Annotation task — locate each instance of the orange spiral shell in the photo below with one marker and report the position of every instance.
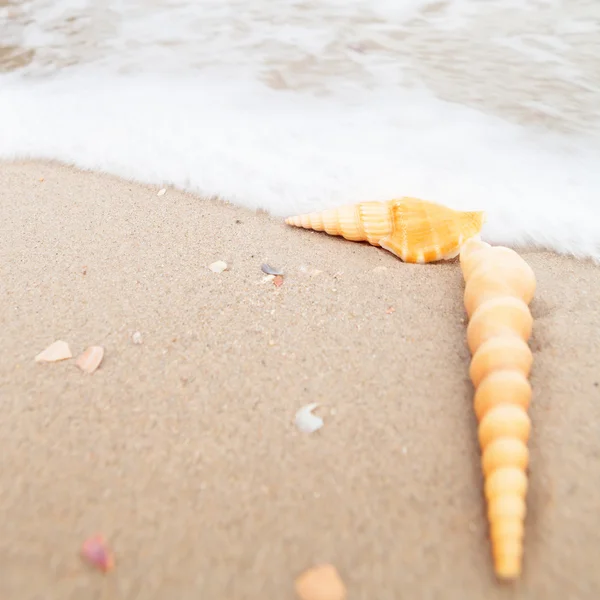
(416, 231)
(499, 285)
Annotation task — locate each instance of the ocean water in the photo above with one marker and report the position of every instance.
(297, 105)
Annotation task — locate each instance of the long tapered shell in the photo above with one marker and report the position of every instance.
(499, 285)
(416, 231)
(502, 314)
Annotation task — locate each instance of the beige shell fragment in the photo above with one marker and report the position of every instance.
(321, 582)
(218, 266)
(56, 351)
(90, 360)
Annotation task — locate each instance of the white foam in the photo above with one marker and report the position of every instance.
(219, 131)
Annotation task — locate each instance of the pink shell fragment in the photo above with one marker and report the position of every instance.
(90, 360)
(96, 552)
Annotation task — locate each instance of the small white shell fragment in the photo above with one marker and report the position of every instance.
(136, 338)
(161, 192)
(218, 266)
(90, 360)
(56, 351)
(306, 421)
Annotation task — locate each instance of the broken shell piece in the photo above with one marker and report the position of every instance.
(322, 582)
(96, 552)
(265, 268)
(306, 421)
(90, 360)
(161, 192)
(218, 267)
(56, 351)
(136, 338)
(278, 281)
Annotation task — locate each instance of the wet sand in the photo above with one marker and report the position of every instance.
(182, 450)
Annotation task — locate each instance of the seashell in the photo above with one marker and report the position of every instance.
(56, 351)
(414, 230)
(499, 285)
(502, 314)
(90, 360)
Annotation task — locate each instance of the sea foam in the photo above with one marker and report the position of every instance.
(326, 139)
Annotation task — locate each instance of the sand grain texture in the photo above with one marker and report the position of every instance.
(182, 451)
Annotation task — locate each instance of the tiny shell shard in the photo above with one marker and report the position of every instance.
(306, 421)
(269, 270)
(321, 582)
(90, 360)
(414, 230)
(218, 266)
(95, 550)
(59, 350)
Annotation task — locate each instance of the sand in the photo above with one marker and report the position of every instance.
(182, 450)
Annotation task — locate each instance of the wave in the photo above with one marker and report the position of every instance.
(221, 131)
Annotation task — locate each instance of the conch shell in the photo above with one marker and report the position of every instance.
(414, 230)
(499, 285)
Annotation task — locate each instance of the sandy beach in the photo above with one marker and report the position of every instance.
(182, 451)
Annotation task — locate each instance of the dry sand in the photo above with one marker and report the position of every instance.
(182, 450)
